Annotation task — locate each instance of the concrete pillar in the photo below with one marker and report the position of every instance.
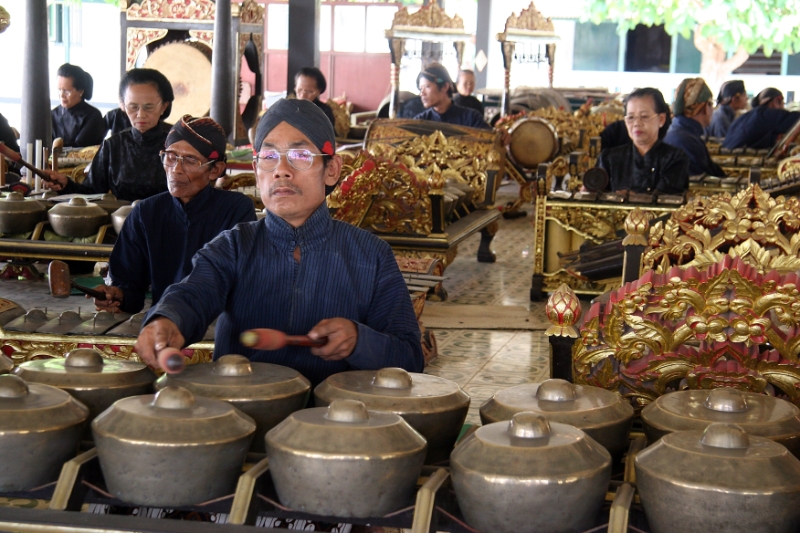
(222, 70)
(303, 38)
(36, 122)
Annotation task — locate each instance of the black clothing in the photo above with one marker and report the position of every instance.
(128, 164)
(116, 121)
(327, 110)
(162, 234)
(664, 168)
(7, 134)
(81, 125)
(760, 127)
(455, 114)
(721, 121)
(468, 101)
(411, 108)
(615, 134)
(686, 133)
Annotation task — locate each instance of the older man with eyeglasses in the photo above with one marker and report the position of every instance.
(163, 232)
(297, 270)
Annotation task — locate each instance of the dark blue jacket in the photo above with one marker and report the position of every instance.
(162, 234)
(249, 274)
(760, 127)
(686, 133)
(721, 121)
(455, 114)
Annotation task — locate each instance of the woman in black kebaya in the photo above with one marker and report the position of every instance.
(75, 121)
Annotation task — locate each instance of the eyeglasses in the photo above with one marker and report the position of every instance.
(66, 92)
(630, 119)
(268, 160)
(146, 108)
(190, 164)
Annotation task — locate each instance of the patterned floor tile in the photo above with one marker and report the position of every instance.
(503, 380)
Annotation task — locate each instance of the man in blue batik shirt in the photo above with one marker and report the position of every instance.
(436, 91)
(297, 270)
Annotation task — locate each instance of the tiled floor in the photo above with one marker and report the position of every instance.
(481, 362)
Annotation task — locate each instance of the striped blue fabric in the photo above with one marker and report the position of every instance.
(250, 276)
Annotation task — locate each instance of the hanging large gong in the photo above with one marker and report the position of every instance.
(188, 69)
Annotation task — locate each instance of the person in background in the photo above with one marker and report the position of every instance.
(693, 109)
(128, 164)
(613, 135)
(436, 91)
(9, 138)
(116, 121)
(732, 97)
(465, 87)
(297, 270)
(309, 83)
(75, 121)
(163, 232)
(647, 164)
(761, 126)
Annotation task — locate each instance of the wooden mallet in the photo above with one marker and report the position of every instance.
(11, 155)
(272, 339)
(171, 360)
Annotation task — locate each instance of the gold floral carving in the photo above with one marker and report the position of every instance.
(206, 37)
(789, 169)
(729, 326)
(457, 159)
(194, 10)
(5, 19)
(761, 230)
(598, 224)
(358, 185)
(563, 310)
(444, 258)
(553, 280)
(251, 13)
(430, 16)
(138, 38)
(636, 225)
(529, 19)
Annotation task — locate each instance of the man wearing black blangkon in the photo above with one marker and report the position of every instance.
(297, 270)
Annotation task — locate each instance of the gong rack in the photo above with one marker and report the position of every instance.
(525, 30)
(434, 509)
(431, 25)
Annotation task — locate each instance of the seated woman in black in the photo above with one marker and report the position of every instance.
(128, 163)
(75, 121)
(646, 164)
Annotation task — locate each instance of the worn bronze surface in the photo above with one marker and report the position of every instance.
(40, 428)
(530, 475)
(30, 321)
(110, 203)
(171, 448)
(344, 461)
(434, 406)
(268, 393)
(63, 323)
(91, 378)
(76, 218)
(118, 216)
(18, 215)
(602, 414)
(758, 414)
(719, 480)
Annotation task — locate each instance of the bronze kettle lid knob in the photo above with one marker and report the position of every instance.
(84, 357)
(726, 400)
(15, 197)
(233, 365)
(13, 387)
(529, 425)
(174, 398)
(81, 202)
(556, 390)
(729, 436)
(392, 378)
(347, 411)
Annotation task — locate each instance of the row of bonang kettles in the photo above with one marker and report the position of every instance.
(719, 460)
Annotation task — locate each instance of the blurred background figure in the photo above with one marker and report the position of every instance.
(75, 121)
(732, 98)
(761, 126)
(465, 87)
(309, 83)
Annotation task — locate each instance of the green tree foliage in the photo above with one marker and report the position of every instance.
(731, 24)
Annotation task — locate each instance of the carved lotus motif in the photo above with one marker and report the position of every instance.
(563, 311)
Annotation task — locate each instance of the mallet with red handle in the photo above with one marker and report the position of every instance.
(272, 339)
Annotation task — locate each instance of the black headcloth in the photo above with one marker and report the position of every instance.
(303, 115)
(203, 133)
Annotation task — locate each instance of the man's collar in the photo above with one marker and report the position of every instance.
(197, 204)
(313, 231)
